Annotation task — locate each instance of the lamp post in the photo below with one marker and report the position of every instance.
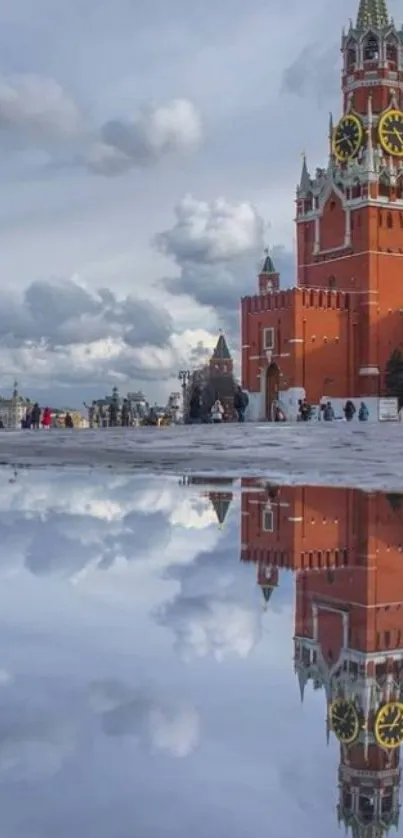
(184, 378)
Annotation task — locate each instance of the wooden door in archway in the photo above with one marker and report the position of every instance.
(272, 390)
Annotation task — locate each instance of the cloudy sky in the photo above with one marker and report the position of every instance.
(148, 153)
(140, 678)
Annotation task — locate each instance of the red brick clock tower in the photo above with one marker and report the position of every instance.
(332, 335)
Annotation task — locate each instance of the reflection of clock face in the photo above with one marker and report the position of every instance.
(390, 132)
(389, 725)
(347, 137)
(344, 720)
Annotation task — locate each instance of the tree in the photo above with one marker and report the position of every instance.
(394, 376)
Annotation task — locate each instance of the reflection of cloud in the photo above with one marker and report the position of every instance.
(211, 625)
(33, 744)
(146, 717)
(98, 525)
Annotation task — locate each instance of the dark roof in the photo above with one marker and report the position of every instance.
(221, 351)
(221, 504)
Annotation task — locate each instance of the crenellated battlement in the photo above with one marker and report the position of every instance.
(318, 298)
(308, 298)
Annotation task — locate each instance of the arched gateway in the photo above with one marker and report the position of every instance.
(272, 390)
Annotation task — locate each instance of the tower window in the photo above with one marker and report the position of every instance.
(332, 281)
(268, 520)
(371, 48)
(268, 338)
(391, 53)
(351, 58)
(389, 220)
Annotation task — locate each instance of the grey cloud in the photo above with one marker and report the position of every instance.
(142, 714)
(315, 71)
(36, 112)
(37, 108)
(155, 132)
(61, 313)
(82, 540)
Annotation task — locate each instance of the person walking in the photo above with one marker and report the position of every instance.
(241, 401)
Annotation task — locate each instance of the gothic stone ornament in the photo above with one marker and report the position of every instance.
(348, 137)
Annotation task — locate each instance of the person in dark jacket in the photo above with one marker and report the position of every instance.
(328, 412)
(241, 401)
(36, 416)
(125, 417)
(195, 405)
(349, 410)
(305, 411)
(68, 421)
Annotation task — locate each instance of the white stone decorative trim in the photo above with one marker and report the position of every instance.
(369, 371)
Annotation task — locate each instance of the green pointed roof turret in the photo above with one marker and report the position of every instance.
(268, 264)
(221, 352)
(221, 505)
(372, 13)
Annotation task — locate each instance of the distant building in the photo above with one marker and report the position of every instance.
(13, 410)
(215, 380)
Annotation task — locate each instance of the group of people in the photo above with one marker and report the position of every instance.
(116, 415)
(36, 418)
(199, 412)
(327, 413)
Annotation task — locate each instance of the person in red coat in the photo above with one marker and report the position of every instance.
(46, 418)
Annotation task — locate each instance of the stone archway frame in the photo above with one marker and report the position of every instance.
(271, 389)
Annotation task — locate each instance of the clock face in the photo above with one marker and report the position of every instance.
(389, 725)
(347, 137)
(390, 132)
(344, 721)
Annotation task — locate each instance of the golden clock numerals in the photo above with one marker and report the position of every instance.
(390, 132)
(389, 725)
(347, 137)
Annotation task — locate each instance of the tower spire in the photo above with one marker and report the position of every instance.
(372, 13)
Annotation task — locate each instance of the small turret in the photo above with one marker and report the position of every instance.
(269, 279)
(221, 361)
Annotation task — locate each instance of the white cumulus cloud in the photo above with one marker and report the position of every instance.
(213, 232)
(208, 624)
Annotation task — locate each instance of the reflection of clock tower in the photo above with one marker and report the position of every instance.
(345, 313)
(346, 547)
